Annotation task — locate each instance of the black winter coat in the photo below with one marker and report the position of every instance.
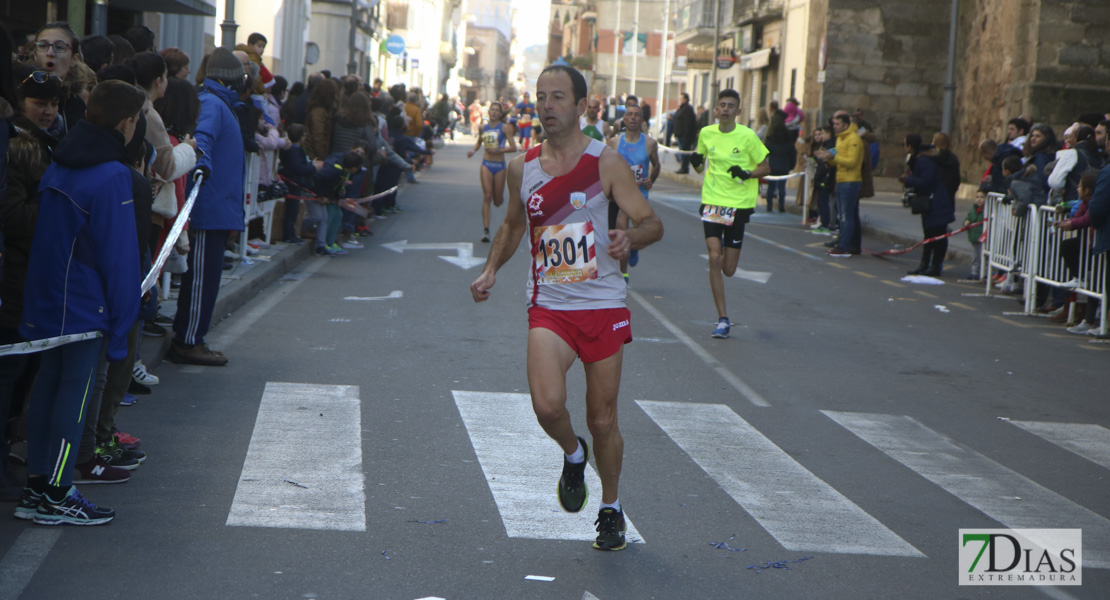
(29, 154)
(927, 178)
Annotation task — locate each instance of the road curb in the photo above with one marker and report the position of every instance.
(957, 255)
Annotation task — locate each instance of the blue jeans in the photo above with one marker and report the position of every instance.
(823, 209)
(781, 187)
(847, 206)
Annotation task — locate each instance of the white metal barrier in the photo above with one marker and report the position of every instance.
(1030, 246)
(1004, 248)
(1046, 263)
(250, 204)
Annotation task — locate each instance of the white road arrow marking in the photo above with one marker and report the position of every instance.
(756, 276)
(392, 295)
(464, 252)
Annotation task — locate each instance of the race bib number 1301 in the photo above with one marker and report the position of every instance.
(564, 253)
(718, 214)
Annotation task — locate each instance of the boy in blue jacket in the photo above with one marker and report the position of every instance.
(87, 279)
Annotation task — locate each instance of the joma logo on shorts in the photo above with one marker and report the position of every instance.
(623, 323)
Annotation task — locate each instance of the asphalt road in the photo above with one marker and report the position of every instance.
(852, 418)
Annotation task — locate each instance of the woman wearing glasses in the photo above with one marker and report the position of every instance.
(57, 50)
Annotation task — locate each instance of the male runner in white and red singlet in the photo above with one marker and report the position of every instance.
(560, 192)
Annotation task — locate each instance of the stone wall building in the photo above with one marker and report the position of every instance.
(1048, 59)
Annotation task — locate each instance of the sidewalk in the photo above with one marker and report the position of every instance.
(886, 223)
(237, 287)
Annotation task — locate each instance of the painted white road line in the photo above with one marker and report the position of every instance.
(222, 337)
(522, 467)
(1092, 442)
(464, 252)
(392, 295)
(24, 557)
(1002, 494)
(303, 468)
(795, 506)
(756, 276)
(732, 379)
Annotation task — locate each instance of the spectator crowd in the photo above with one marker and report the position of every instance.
(106, 139)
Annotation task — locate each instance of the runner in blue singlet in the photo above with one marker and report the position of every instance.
(641, 152)
(497, 137)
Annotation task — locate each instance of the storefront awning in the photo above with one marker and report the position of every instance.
(755, 60)
(178, 7)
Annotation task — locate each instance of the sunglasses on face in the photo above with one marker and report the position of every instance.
(40, 77)
(59, 46)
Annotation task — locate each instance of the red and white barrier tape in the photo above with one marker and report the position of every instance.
(893, 251)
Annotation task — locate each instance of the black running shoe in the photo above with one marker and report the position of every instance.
(572, 484)
(28, 504)
(153, 329)
(610, 530)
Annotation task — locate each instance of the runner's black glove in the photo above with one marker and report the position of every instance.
(697, 160)
(739, 173)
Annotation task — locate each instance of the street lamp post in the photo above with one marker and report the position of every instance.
(950, 82)
(229, 25)
(716, 42)
(352, 63)
(635, 45)
(100, 17)
(616, 52)
(661, 108)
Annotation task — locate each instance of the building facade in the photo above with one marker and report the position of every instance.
(487, 59)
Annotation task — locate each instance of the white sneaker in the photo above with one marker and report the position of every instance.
(140, 375)
(259, 243)
(351, 244)
(1082, 328)
(251, 251)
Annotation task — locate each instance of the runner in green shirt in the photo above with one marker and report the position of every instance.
(733, 159)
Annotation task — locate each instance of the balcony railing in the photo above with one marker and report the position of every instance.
(755, 11)
(696, 21)
(476, 75)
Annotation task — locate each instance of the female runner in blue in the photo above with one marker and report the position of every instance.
(498, 137)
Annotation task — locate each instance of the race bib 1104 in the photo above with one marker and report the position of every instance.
(564, 253)
(718, 214)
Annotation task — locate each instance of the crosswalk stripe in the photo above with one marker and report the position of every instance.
(1090, 441)
(522, 467)
(800, 510)
(303, 468)
(994, 489)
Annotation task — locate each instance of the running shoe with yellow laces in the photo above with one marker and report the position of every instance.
(610, 530)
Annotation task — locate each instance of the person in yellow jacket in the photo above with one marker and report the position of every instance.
(736, 160)
(848, 160)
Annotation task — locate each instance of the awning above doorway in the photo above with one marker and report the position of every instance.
(177, 7)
